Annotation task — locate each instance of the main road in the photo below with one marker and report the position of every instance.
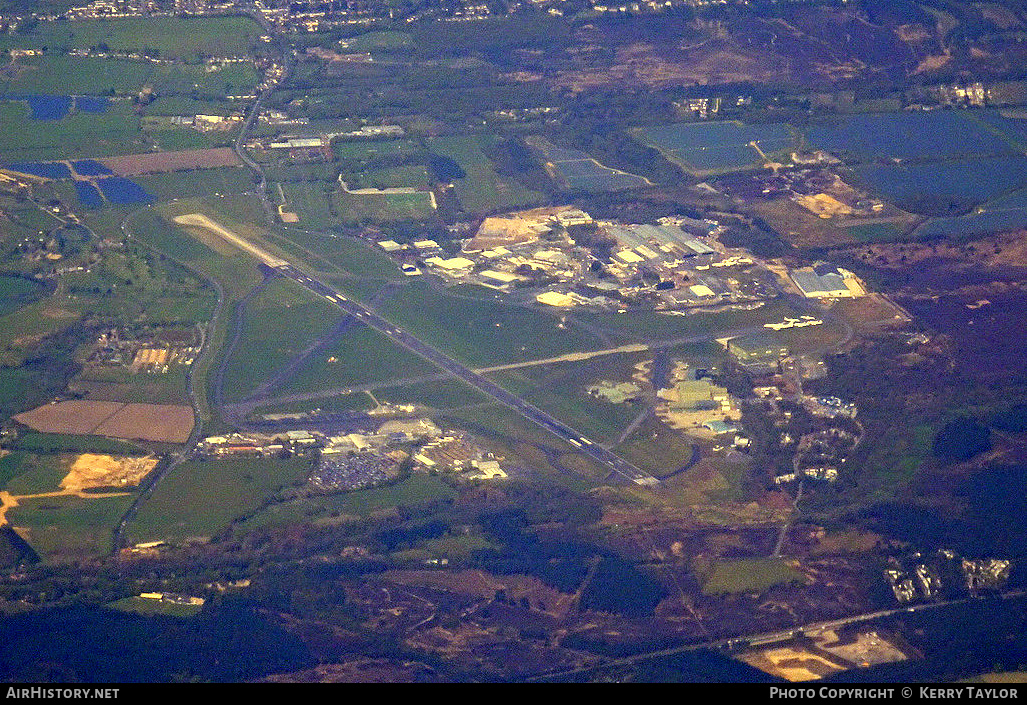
(371, 319)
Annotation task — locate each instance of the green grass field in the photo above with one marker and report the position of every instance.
(69, 528)
(201, 498)
(417, 489)
(560, 390)
(56, 74)
(78, 135)
(656, 448)
(361, 355)
(354, 209)
(35, 442)
(347, 254)
(169, 37)
(145, 606)
(482, 189)
(38, 473)
(196, 183)
(754, 575)
(448, 394)
(278, 324)
(339, 403)
(481, 332)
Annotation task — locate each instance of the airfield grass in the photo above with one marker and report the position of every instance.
(69, 528)
(234, 271)
(445, 394)
(752, 575)
(353, 256)
(559, 389)
(278, 323)
(646, 325)
(337, 403)
(656, 448)
(479, 332)
(359, 356)
(201, 498)
(516, 438)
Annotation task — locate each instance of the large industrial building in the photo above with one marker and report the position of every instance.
(758, 347)
(825, 281)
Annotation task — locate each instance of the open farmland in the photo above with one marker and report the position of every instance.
(77, 135)
(356, 208)
(167, 37)
(158, 162)
(481, 189)
(149, 422)
(74, 75)
(68, 527)
(200, 498)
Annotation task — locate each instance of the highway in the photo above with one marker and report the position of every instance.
(767, 638)
(369, 318)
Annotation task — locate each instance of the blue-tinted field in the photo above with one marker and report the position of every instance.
(580, 172)
(90, 167)
(88, 195)
(91, 104)
(46, 170)
(917, 135)
(717, 146)
(122, 191)
(48, 107)
(976, 180)
(975, 225)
